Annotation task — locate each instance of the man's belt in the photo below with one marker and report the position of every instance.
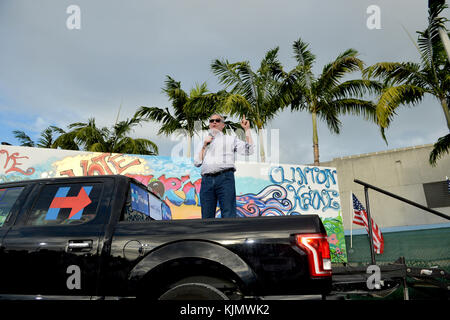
(218, 172)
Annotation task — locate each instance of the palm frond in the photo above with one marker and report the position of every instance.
(440, 148)
(355, 88)
(394, 96)
(204, 105)
(226, 72)
(198, 90)
(302, 54)
(396, 72)
(145, 146)
(429, 38)
(177, 96)
(46, 139)
(235, 104)
(271, 67)
(136, 146)
(23, 138)
(123, 127)
(169, 127)
(329, 115)
(97, 147)
(66, 141)
(155, 114)
(383, 134)
(57, 129)
(293, 89)
(249, 87)
(345, 63)
(356, 107)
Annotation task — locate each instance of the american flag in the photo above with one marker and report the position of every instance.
(360, 218)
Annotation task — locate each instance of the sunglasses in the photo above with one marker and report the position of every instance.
(215, 120)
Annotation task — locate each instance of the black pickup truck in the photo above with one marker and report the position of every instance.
(109, 237)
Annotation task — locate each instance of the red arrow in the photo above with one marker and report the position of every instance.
(75, 203)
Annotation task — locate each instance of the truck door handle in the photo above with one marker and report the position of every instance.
(74, 245)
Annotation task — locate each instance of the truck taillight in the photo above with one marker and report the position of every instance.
(318, 250)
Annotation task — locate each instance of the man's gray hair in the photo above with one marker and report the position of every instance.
(219, 115)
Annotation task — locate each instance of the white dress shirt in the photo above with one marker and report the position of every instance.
(220, 154)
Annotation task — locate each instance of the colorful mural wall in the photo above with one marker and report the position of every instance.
(261, 189)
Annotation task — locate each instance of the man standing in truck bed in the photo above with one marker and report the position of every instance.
(217, 159)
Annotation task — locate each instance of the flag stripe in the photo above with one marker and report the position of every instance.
(360, 218)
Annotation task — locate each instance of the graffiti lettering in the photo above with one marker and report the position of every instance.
(281, 178)
(172, 183)
(11, 160)
(92, 169)
(100, 165)
(315, 174)
(316, 199)
(120, 168)
(101, 159)
(189, 189)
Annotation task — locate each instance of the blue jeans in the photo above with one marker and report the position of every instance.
(220, 188)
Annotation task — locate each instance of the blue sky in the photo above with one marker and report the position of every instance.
(51, 75)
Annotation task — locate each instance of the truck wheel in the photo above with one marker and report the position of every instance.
(193, 291)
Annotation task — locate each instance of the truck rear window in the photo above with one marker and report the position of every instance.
(65, 204)
(8, 196)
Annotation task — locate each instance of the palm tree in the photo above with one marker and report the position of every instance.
(89, 137)
(46, 139)
(406, 83)
(326, 96)
(189, 110)
(257, 95)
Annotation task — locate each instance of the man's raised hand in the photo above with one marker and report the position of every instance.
(245, 124)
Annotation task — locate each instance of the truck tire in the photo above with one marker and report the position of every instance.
(193, 291)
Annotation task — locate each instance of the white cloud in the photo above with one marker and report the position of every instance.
(39, 124)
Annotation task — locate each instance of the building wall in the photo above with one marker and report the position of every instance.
(400, 171)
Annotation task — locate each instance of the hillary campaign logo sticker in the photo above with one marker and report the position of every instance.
(76, 204)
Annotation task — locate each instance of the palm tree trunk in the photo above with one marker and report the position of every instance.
(315, 139)
(446, 111)
(189, 145)
(262, 153)
(445, 41)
